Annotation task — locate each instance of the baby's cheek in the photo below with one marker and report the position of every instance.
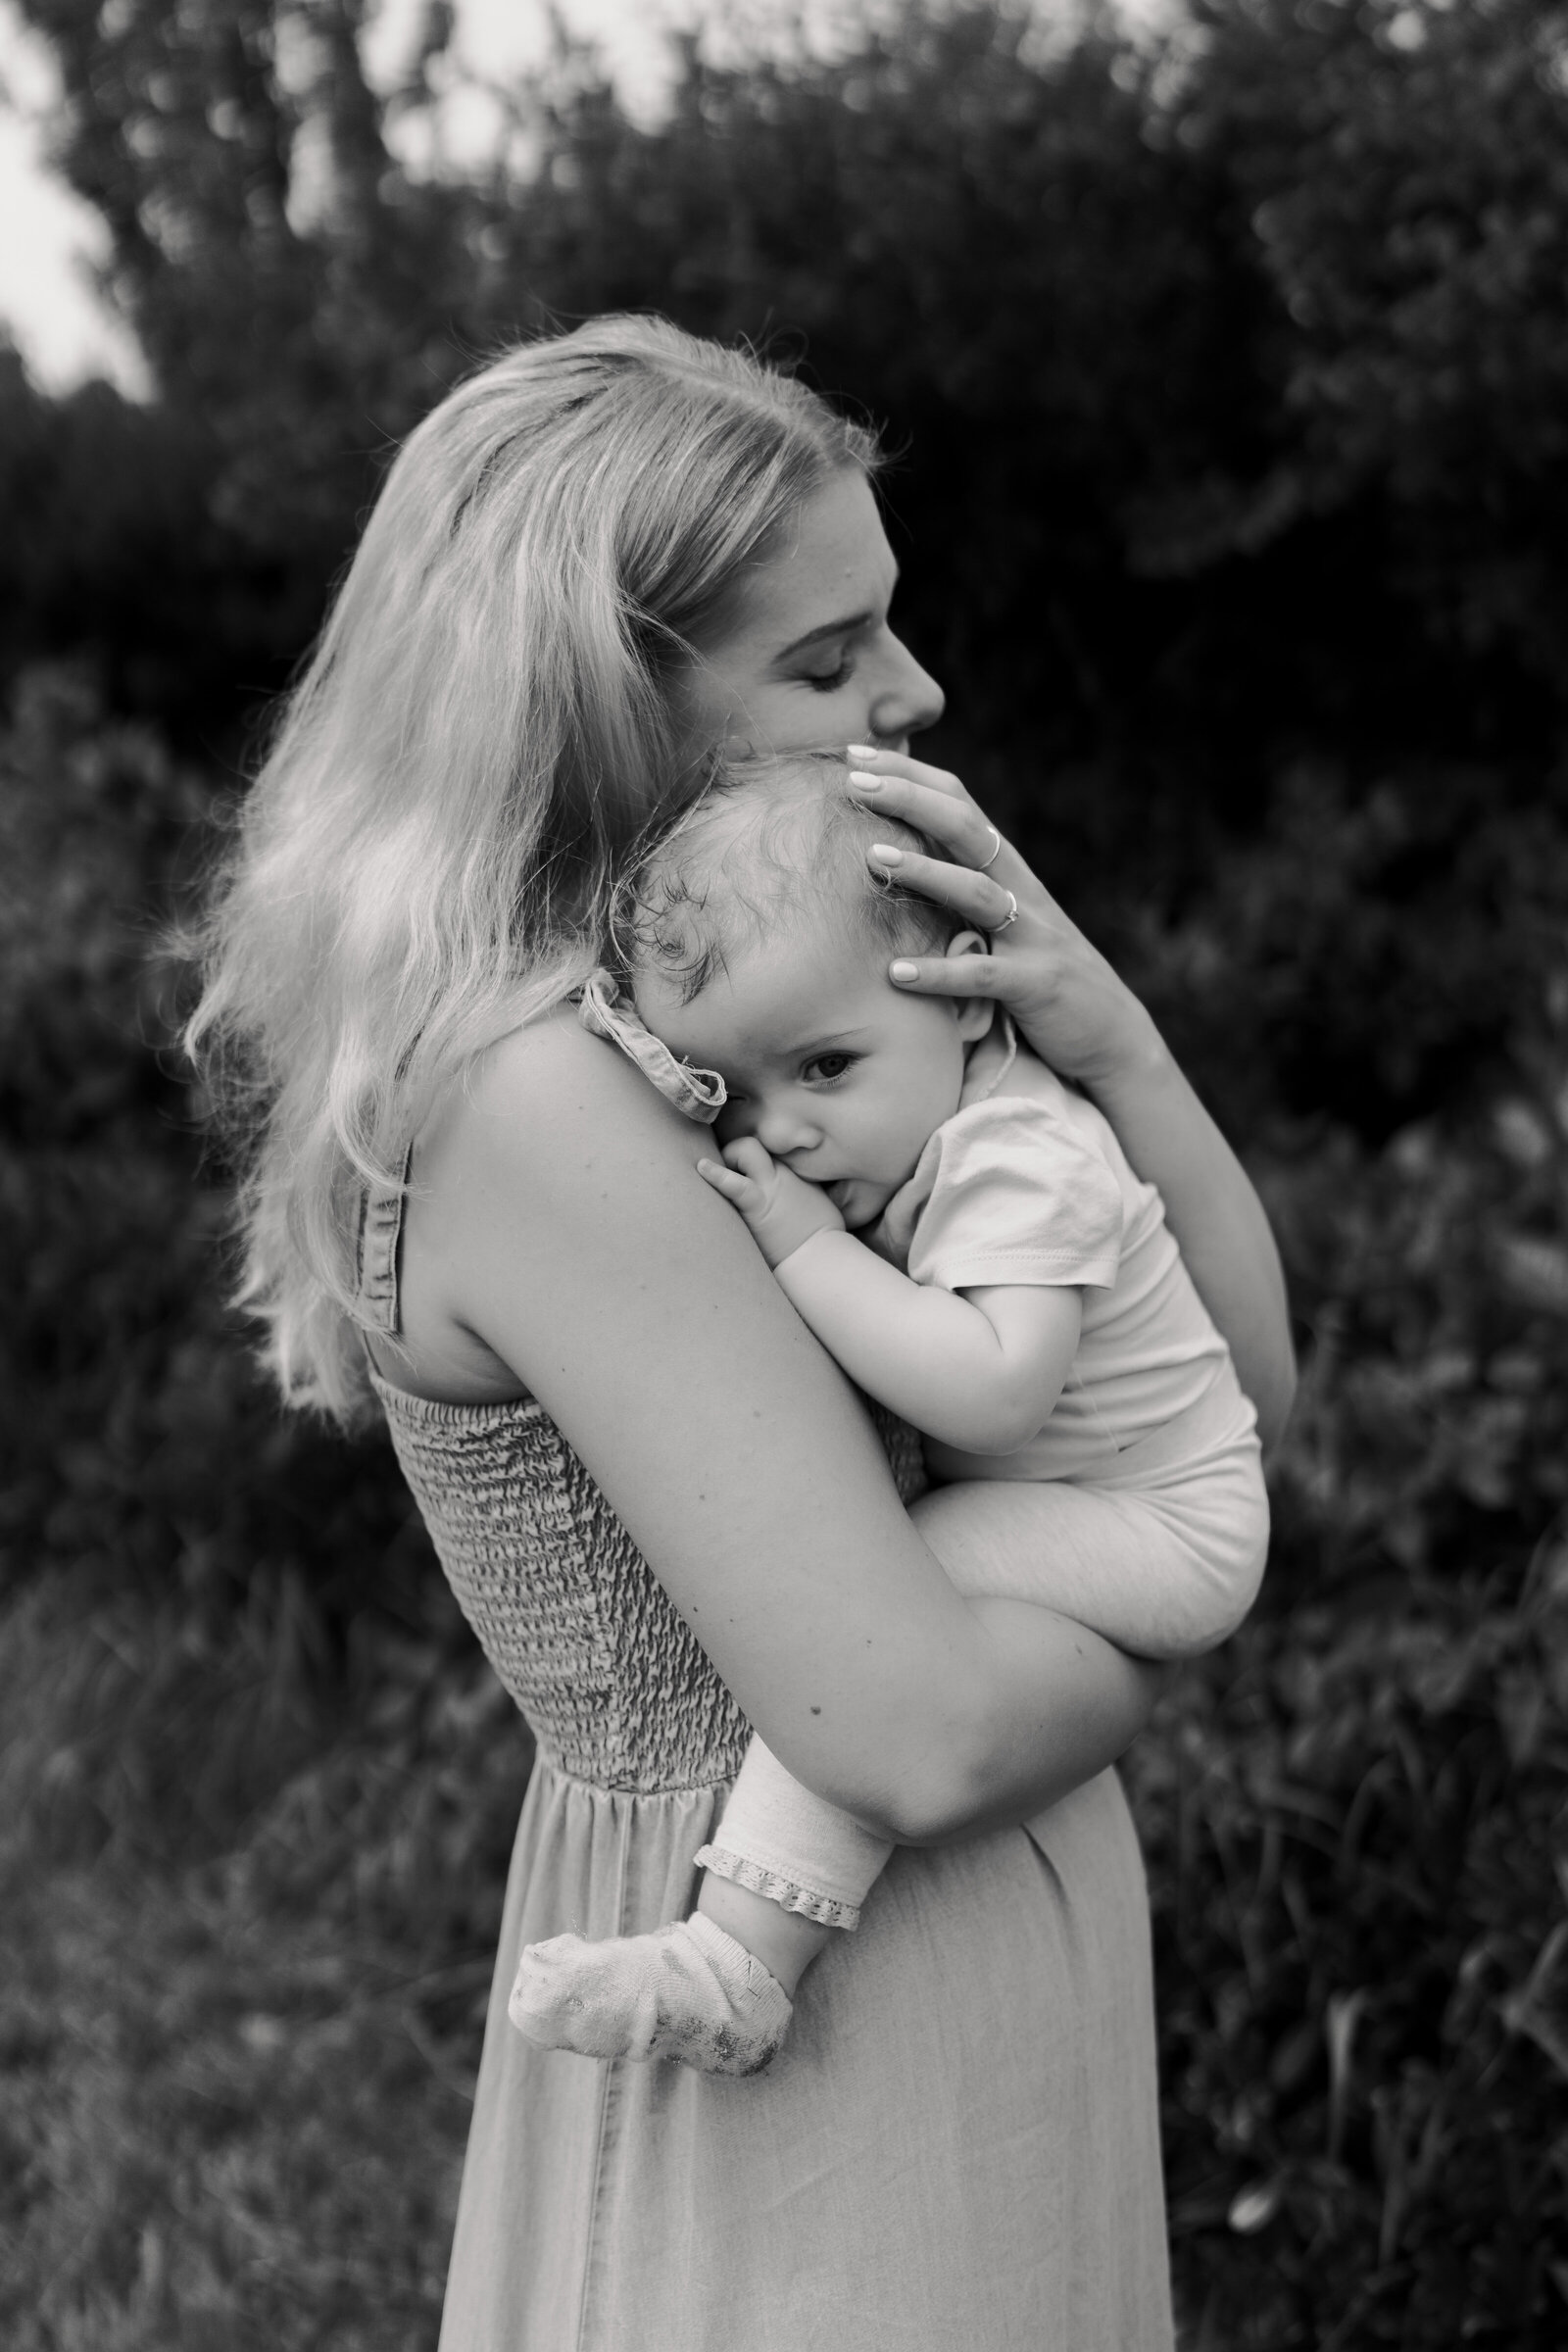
(901, 1147)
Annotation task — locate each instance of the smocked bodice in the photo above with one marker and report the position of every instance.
(568, 1612)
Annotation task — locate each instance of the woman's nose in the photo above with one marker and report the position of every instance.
(906, 697)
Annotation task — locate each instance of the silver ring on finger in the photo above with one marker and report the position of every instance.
(1010, 917)
(986, 863)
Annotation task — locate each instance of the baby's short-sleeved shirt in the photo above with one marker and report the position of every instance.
(1026, 1184)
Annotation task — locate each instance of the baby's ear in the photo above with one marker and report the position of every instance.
(973, 1014)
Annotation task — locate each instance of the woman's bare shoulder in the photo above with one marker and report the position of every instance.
(543, 1095)
(547, 1147)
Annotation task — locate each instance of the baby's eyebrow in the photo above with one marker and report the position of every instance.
(833, 1037)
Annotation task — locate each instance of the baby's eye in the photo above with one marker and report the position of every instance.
(824, 1066)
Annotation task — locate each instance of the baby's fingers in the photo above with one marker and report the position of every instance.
(749, 1158)
(736, 1189)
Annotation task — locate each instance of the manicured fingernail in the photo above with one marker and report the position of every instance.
(885, 854)
(861, 750)
(903, 971)
(863, 782)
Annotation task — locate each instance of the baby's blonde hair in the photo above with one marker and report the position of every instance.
(773, 846)
(484, 734)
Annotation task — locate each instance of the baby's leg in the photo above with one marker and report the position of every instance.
(786, 1868)
(1163, 1573)
(688, 1992)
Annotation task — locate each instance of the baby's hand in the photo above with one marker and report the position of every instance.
(781, 1208)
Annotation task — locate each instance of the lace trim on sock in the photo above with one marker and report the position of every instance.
(784, 1892)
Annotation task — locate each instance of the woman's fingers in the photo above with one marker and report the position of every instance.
(934, 803)
(894, 766)
(947, 976)
(981, 898)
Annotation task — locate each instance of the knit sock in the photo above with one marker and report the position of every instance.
(688, 1992)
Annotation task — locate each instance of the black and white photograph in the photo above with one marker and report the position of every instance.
(784, 1164)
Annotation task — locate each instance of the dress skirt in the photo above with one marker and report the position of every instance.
(956, 2149)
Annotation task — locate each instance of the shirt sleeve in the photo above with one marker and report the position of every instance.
(1019, 1197)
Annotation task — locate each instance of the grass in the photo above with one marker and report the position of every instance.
(197, 2130)
(238, 2032)
(1357, 1842)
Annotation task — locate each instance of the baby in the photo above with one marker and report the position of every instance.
(961, 1228)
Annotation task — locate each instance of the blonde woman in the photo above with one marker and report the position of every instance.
(663, 1508)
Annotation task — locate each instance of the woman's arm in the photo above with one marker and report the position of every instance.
(1083, 1019)
(1217, 1216)
(561, 1234)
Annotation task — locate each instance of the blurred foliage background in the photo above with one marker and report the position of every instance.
(1229, 371)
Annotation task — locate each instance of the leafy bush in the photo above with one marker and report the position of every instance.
(1233, 372)
(139, 1446)
(1354, 1815)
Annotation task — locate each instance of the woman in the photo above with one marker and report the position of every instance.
(655, 1496)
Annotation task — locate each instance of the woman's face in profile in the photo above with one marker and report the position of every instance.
(808, 662)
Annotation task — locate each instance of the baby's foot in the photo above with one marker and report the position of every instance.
(688, 1992)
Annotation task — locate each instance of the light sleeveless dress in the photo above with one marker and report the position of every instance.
(956, 2149)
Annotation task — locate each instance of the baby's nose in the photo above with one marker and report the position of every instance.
(782, 1130)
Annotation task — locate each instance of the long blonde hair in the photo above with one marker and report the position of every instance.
(483, 735)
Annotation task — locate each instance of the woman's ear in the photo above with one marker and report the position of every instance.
(973, 1014)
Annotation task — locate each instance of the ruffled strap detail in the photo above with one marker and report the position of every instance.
(607, 1011)
(789, 1896)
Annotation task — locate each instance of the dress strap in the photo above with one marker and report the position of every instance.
(607, 1011)
(604, 1012)
(380, 1242)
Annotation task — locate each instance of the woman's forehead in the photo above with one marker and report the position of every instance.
(831, 568)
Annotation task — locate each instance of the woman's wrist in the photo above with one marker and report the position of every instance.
(1128, 1061)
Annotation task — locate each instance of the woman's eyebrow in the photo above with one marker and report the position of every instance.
(827, 628)
(834, 628)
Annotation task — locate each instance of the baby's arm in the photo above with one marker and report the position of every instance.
(980, 1369)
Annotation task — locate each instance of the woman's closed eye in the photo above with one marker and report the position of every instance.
(829, 681)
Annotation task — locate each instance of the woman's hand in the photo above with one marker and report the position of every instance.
(1087, 1023)
(1074, 1010)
